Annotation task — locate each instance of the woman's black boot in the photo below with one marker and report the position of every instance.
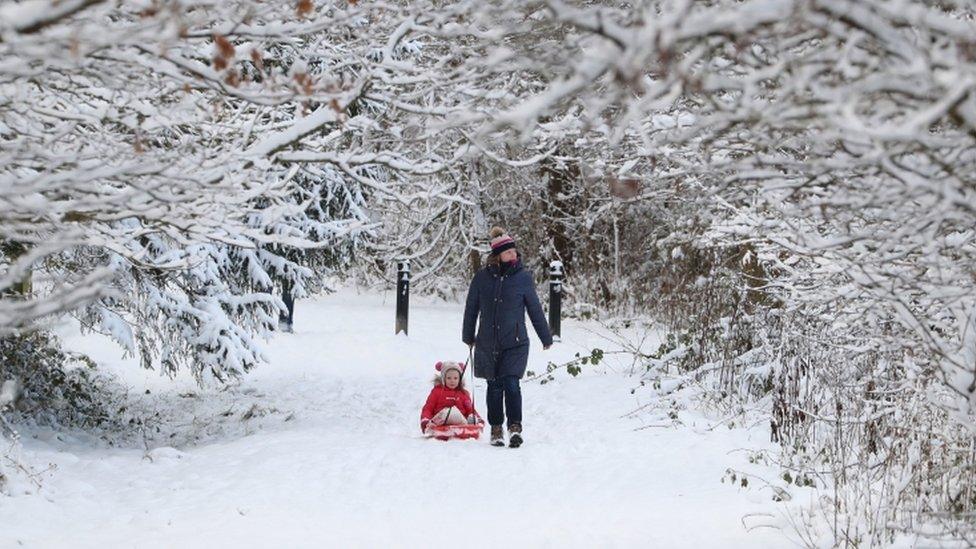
(515, 435)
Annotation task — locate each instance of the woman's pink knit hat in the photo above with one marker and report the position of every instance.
(500, 241)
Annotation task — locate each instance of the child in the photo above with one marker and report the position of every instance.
(448, 402)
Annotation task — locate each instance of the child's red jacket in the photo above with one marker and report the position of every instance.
(441, 397)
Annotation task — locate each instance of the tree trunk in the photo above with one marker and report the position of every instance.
(13, 251)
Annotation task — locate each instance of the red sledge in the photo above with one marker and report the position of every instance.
(447, 432)
(456, 415)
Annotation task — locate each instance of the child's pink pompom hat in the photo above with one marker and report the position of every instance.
(444, 367)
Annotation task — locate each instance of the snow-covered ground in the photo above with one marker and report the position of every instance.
(322, 449)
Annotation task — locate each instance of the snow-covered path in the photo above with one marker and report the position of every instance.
(337, 461)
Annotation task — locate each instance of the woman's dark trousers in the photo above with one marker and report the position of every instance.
(504, 389)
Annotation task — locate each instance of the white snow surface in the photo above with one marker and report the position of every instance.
(331, 455)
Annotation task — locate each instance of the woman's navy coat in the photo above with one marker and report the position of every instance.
(502, 295)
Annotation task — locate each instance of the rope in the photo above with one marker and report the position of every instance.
(470, 366)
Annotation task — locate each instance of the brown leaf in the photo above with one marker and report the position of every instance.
(305, 8)
(334, 105)
(232, 79)
(304, 82)
(224, 47)
(623, 188)
(220, 63)
(257, 60)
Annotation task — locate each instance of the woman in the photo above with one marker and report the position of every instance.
(501, 293)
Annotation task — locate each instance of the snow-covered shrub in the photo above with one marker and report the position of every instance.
(55, 387)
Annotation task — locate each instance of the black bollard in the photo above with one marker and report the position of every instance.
(403, 296)
(555, 297)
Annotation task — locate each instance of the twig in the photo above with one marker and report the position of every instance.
(665, 426)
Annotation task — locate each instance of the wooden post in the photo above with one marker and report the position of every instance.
(555, 297)
(403, 296)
